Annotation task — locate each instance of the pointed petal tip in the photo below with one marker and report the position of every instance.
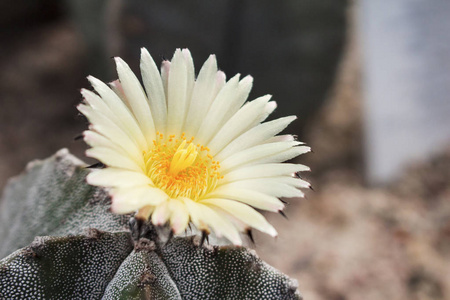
(115, 84)
(145, 54)
(95, 82)
(165, 64)
(272, 232)
(247, 80)
(220, 76)
(89, 176)
(85, 92)
(87, 136)
(87, 153)
(306, 169)
(271, 106)
(278, 208)
(177, 229)
(120, 63)
(158, 222)
(268, 97)
(178, 52)
(122, 67)
(186, 52)
(82, 109)
(119, 208)
(237, 242)
(154, 219)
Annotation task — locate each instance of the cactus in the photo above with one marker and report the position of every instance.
(71, 247)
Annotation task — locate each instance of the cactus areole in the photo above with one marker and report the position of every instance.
(184, 149)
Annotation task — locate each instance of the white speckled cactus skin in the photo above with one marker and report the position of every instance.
(71, 247)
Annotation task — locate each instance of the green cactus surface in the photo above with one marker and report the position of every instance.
(65, 244)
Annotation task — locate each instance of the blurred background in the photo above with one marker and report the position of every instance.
(369, 82)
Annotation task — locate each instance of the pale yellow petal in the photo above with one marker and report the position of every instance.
(242, 121)
(113, 158)
(255, 154)
(109, 129)
(205, 216)
(244, 213)
(255, 136)
(114, 177)
(165, 70)
(190, 74)
(283, 155)
(95, 139)
(250, 197)
(177, 102)
(127, 200)
(281, 138)
(243, 90)
(136, 98)
(268, 186)
(154, 88)
(179, 218)
(120, 110)
(214, 118)
(263, 170)
(202, 95)
(161, 214)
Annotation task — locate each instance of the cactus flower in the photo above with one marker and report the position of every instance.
(186, 149)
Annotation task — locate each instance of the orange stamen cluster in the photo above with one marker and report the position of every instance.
(181, 168)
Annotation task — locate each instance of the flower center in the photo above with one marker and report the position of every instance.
(180, 168)
(183, 158)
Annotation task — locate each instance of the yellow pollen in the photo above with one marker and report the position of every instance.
(181, 168)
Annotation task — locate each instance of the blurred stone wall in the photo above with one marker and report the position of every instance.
(406, 64)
